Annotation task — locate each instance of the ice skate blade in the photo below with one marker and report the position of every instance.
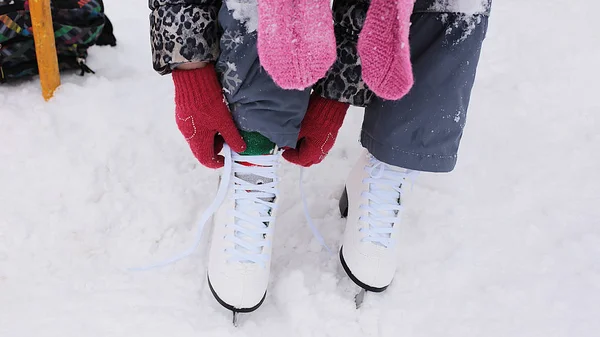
(360, 298)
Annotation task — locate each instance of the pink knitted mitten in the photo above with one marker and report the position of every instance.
(384, 50)
(296, 42)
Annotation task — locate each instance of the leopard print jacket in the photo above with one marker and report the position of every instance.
(183, 31)
(187, 31)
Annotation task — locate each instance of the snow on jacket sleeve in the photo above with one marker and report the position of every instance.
(454, 6)
(183, 31)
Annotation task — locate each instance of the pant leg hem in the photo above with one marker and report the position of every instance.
(406, 159)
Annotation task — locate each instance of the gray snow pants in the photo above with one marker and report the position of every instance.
(421, 131)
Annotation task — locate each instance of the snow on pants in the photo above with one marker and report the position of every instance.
(421, 131)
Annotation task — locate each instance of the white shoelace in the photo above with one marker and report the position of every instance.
(255, 203)
(253, 210)
(384, 206)
(242, 231)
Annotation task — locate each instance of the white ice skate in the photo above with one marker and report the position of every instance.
(240, 254)
(371, 203)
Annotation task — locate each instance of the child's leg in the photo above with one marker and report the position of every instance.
(256, 102)
(244, 224)
(419, 132)
(422, 131)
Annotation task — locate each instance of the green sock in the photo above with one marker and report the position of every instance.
(256, 144)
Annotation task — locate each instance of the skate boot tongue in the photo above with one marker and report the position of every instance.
(254, 179)
(257, 145)
(254, 174)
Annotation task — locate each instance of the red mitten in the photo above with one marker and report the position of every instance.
(318, 132)
(203, 116)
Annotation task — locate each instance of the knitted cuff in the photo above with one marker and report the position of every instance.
(326, 112)
(197, 87)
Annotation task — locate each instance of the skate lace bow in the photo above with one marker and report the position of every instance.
(384, 207)
(255, 202)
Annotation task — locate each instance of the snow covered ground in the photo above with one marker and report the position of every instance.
(99, 180)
